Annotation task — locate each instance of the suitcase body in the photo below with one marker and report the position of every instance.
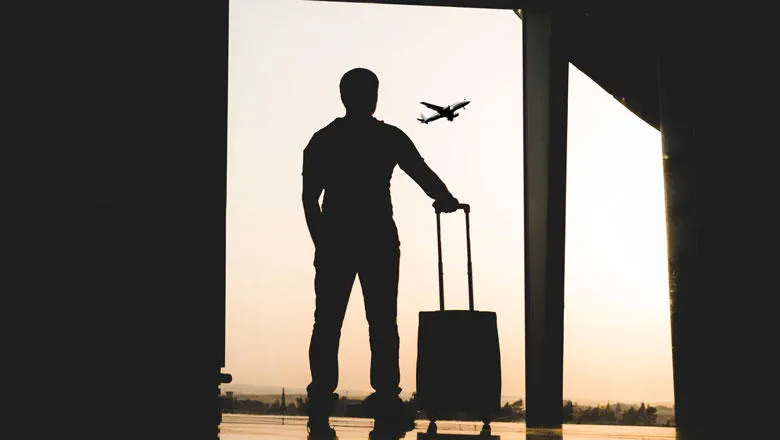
(458, 357)
(458, 364)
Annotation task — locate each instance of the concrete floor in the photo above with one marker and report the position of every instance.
(257, 427)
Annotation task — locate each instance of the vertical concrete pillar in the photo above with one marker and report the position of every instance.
(719, 133)
(709, 272)
(545, 99)
(681, 179)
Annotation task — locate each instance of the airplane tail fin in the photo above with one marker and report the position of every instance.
(421, 118)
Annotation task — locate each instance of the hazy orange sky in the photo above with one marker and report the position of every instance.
(286, 59)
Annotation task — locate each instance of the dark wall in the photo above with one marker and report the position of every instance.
(146, 253)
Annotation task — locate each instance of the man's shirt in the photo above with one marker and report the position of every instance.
(353, 160)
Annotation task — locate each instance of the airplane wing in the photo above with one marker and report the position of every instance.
(433, 107)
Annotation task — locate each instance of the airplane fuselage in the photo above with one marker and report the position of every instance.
(448, 112)
(458, 105)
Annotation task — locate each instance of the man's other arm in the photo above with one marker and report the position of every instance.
(412, 163)
(313, 186)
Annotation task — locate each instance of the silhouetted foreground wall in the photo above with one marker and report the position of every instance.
(153, 85)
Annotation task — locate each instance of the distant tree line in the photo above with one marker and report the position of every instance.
(643, 415)
(344, 406)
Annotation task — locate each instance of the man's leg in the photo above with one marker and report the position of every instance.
(378, 273)
(332, 285)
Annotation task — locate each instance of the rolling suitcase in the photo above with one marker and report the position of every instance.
(458, 357)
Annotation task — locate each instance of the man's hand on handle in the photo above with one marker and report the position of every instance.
(446, 205)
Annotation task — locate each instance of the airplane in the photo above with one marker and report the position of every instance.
(442, 112)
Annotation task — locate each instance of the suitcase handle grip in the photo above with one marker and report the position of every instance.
(466, 210)
(464, 206)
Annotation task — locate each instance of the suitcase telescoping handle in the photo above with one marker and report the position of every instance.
(466, 209)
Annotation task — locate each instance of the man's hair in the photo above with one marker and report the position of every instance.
(359, 89)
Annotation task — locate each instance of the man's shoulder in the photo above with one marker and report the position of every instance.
(392, 131)
(329, 128)
(389, 127)
(322, 134)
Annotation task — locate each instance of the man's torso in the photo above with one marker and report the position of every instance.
(355, 160)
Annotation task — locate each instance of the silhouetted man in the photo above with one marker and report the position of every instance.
(352, 160)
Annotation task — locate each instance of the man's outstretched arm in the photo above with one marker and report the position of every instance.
(414, 165)
(312, 188)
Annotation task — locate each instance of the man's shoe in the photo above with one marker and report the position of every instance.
(398, 422)
(392, 417)
(375, 434)
(395, 425)
(320, 431)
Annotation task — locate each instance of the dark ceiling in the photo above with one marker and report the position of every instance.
(617, 50)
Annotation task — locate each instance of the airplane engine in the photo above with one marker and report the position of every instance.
(454, 116)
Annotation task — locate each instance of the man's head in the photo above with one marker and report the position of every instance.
(359, 91)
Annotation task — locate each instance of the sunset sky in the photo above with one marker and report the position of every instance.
(286, 60)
